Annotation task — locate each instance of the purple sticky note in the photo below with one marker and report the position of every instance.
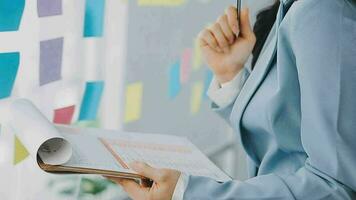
(50, 60)
(47, 8)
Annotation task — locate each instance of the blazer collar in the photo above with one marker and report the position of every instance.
(287, 2)
(252, 83)
(264, 63)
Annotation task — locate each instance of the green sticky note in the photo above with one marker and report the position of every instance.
(88, 124)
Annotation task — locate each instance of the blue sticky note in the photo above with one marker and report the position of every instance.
(94, 18)
(11, 14)
(9, 64)
(207, 81)
(91, 100)
(174, 80)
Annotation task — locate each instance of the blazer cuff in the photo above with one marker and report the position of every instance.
(181, 186)
(223, 95)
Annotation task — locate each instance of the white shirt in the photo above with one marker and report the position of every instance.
(222, 95)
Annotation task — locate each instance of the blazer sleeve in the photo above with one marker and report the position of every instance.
(320, 42)
(224, 96)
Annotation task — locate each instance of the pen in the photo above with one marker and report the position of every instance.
(238, 7)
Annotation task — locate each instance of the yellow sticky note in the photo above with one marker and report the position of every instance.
(133, 102)
(161, 2)
(20, 152)
(196, 98)
(197, 57)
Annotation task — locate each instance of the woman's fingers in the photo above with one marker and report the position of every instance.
(207, 38)
(133, 189)
(225, 27)
(146, 171)
(246, 28)
(219, 35)
(223, 33)
(231, 13)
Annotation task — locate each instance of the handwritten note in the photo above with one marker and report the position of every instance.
(174, 80)
(91, 100)
(161, 2)
(133, 102)
(20, 152)
(196, 98)
(11, 14)
(51, 60)
(185, 65)
(47, 8)
(64, 115)
(9, 64)
(94, 18)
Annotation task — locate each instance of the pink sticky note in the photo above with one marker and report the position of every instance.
(185, 65)
(63, 115)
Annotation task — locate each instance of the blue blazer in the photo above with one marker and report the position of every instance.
(311, 63)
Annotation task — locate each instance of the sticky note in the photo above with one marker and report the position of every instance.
(197, 56)
(161, 2)
(64, 115)
(94, 18)
(174, 80)
(133, 102)
(20, 152)
(91, 100)
(9, 64)
(46, 8)
(185, 68)
(196, 98)
(51, 53)
(88, 124)
(208, 77)
(10, 14)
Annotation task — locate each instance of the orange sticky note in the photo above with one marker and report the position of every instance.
(20, 152)
(133, 102)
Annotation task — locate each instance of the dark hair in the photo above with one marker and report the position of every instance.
(264, 23)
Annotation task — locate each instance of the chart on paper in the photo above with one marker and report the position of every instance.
(182, 156)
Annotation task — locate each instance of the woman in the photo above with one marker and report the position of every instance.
(294, 113)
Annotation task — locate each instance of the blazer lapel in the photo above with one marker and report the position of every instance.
(258, 74)
(251, 85)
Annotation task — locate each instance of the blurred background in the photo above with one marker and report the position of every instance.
(128, 65)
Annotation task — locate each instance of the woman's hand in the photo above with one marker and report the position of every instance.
(227, 44)
(164, 183)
